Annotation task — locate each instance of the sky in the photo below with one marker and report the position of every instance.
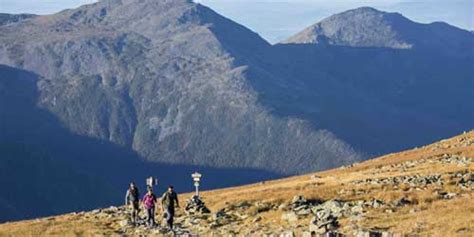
(276, 20)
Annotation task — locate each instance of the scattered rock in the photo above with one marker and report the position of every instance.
(375, 203)
(374, 233)
(289, 216)
(243, 205)
(306, 234)
(412, 180)
(111, 210)
(288, 234)
(283, 206)
(257, 219)
(446, 195)
(195, 206)
(263, 207)
(323, 222)
(125, 223)
(402, 202)
(315, 177)
(300, 206)
(96, 211)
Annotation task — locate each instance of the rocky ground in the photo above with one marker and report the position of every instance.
(424, 191)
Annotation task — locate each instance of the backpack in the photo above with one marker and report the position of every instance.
(168, 199)
(165, 200)
(149, 201)
(133, 195)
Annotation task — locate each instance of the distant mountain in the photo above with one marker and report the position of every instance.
(368, 27)
(380, 81)
(163, 82)
(122, 89)
(168, 79)
(12, 18)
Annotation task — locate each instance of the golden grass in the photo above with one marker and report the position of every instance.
(429, 216)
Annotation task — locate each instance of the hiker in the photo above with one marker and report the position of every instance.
(132, 199)
(149, 201)
(168, 202)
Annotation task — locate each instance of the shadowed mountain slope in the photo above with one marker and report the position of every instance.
(379, 81)
(410, 193)
(379, 100)
(167, 78)
(120, 90)
(124, 89)
(43, 164)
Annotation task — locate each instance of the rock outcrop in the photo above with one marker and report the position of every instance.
(195, 206)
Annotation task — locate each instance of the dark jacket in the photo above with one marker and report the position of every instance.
(132, 196)
(169, 200)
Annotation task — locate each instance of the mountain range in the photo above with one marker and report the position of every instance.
(94, 97)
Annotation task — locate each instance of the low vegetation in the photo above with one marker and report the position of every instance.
(426, 191)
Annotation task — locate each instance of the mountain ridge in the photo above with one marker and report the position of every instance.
(165, 86)
(100, 58)
(6, 18)
(369, 27)
(414, 192)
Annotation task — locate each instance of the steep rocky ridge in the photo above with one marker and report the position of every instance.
(166, 78)
(102, 89)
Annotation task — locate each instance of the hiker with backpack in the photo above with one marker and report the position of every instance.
(132, 199)
(168, 202)
(149, 201)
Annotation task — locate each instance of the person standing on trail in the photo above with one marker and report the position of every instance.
(149, 201)
(168, 202)
(132, 199)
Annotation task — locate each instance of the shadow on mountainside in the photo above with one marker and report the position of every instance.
(46, 169)
(379, 100)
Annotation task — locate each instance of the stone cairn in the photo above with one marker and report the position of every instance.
(323, 222)
(195, 206)
(300, 206)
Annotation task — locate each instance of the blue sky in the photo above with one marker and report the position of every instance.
(277, 19)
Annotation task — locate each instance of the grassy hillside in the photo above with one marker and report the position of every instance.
(426, 191)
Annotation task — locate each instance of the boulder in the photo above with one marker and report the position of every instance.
(402, 202)
(124, 223)
(300, 206)
(263, 207)
(375, 233)
(288, 234)
(306, 234)
(323, 222)
(195, 206)
(289, 216)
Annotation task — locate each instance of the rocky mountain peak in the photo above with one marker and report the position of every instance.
(122, 13)
(171, 87)
(167, 78)
(369, 27)
(365, 26)
(364, 10)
